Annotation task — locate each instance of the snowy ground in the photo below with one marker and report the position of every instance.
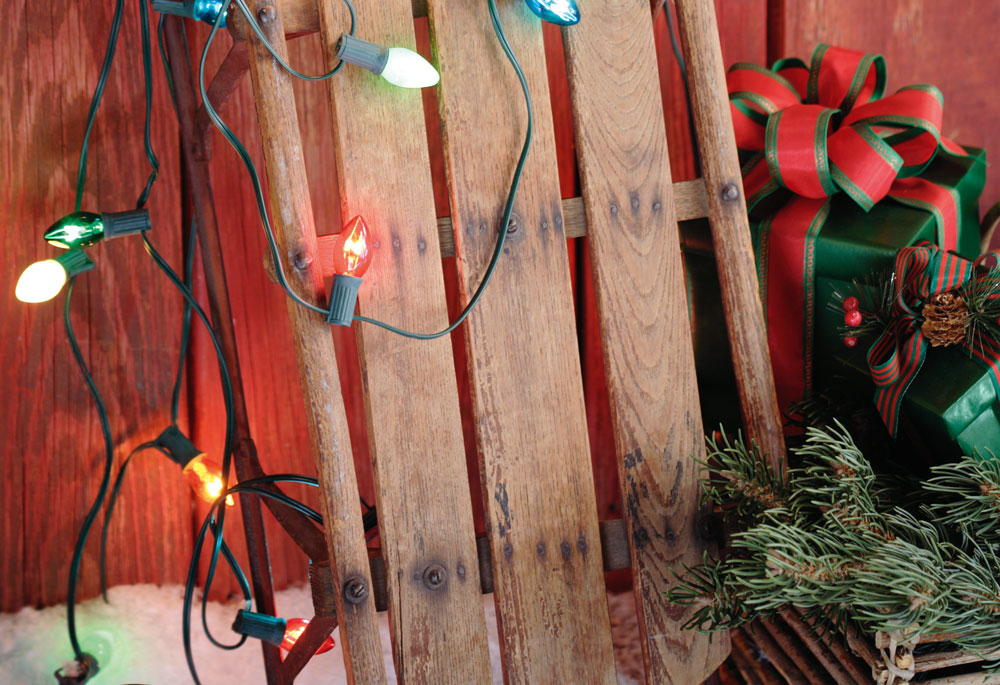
(140, 629)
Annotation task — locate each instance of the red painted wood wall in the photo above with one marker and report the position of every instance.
(126, 314)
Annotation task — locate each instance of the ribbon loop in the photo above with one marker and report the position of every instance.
(921, 272)
(839, 77)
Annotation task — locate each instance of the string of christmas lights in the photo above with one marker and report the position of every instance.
(82, 230)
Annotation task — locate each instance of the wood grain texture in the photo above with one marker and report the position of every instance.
(524, 362)
(730, 231)
(951, 45)
(294, 228)
(642, 305)
(125, 314)
(689, 203)
(415, 428)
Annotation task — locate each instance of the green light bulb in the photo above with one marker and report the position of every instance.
(76, 230)
(85, 229)
(399, 66)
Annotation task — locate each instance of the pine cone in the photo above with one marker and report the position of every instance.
(945, 319)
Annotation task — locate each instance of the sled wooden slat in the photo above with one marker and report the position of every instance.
(422, 487)
(645, 331)
(296, 233)
(523, 357)
(689, 203)
(730, 227)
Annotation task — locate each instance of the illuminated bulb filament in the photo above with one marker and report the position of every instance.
(205, 478)
(354, 256)
(293, 631)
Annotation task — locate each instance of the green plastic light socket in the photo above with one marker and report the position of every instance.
(178, 446)
(85, 229)
(75, 262)
(260, 626)
(343, 297)
(362, 53)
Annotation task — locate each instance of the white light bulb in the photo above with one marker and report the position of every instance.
(41, 281)
(407, 69)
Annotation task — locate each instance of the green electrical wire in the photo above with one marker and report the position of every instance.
(262, 207)
(251, 486)
(109, 455)
(251, 168)
(216, 528)
(508, 206)
(95, 102)
(175, 398)
(147, 72)
(111, 507)
(252, 21)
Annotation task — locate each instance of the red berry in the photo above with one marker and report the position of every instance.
(853, 318)
(851, 341)
(850, 303)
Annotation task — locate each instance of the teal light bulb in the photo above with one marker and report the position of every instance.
(76, 230)
(561, 12)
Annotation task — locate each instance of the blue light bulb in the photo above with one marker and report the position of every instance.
(561, 12)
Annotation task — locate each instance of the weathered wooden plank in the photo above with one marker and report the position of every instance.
(642, 305)
(415, 428)
(731, 235)
(294, 228)
(524, 361)
(53, 453)
(689, 203)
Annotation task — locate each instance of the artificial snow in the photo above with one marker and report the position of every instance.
(141, 630)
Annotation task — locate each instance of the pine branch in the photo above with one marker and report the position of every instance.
(739, 480)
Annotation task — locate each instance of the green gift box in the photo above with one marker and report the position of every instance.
(855, 244)
(950, 408)
(958, 412)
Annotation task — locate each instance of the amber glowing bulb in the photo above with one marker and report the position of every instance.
(205, 477)
(352, 255)
(293, 631)
(203, 474)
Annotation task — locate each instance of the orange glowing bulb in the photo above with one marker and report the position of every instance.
(293, 631)
(205, 478)
(353, 254)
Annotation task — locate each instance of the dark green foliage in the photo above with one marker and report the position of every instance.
(843, 544)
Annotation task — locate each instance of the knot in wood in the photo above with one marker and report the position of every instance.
(435, 576)
(729, 192)
(266, 14)
(355, 590)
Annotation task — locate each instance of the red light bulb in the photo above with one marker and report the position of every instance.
(294, 628)
(352, 255)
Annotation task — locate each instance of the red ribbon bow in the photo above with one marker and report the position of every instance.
(816, 131)
(921, 272)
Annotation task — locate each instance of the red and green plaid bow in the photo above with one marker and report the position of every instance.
(815, 131)
(921, 272)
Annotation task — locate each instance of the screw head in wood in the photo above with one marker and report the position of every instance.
(266, 14)
(302, 260)
(355, 590)
(730, 192)
(435, 576)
